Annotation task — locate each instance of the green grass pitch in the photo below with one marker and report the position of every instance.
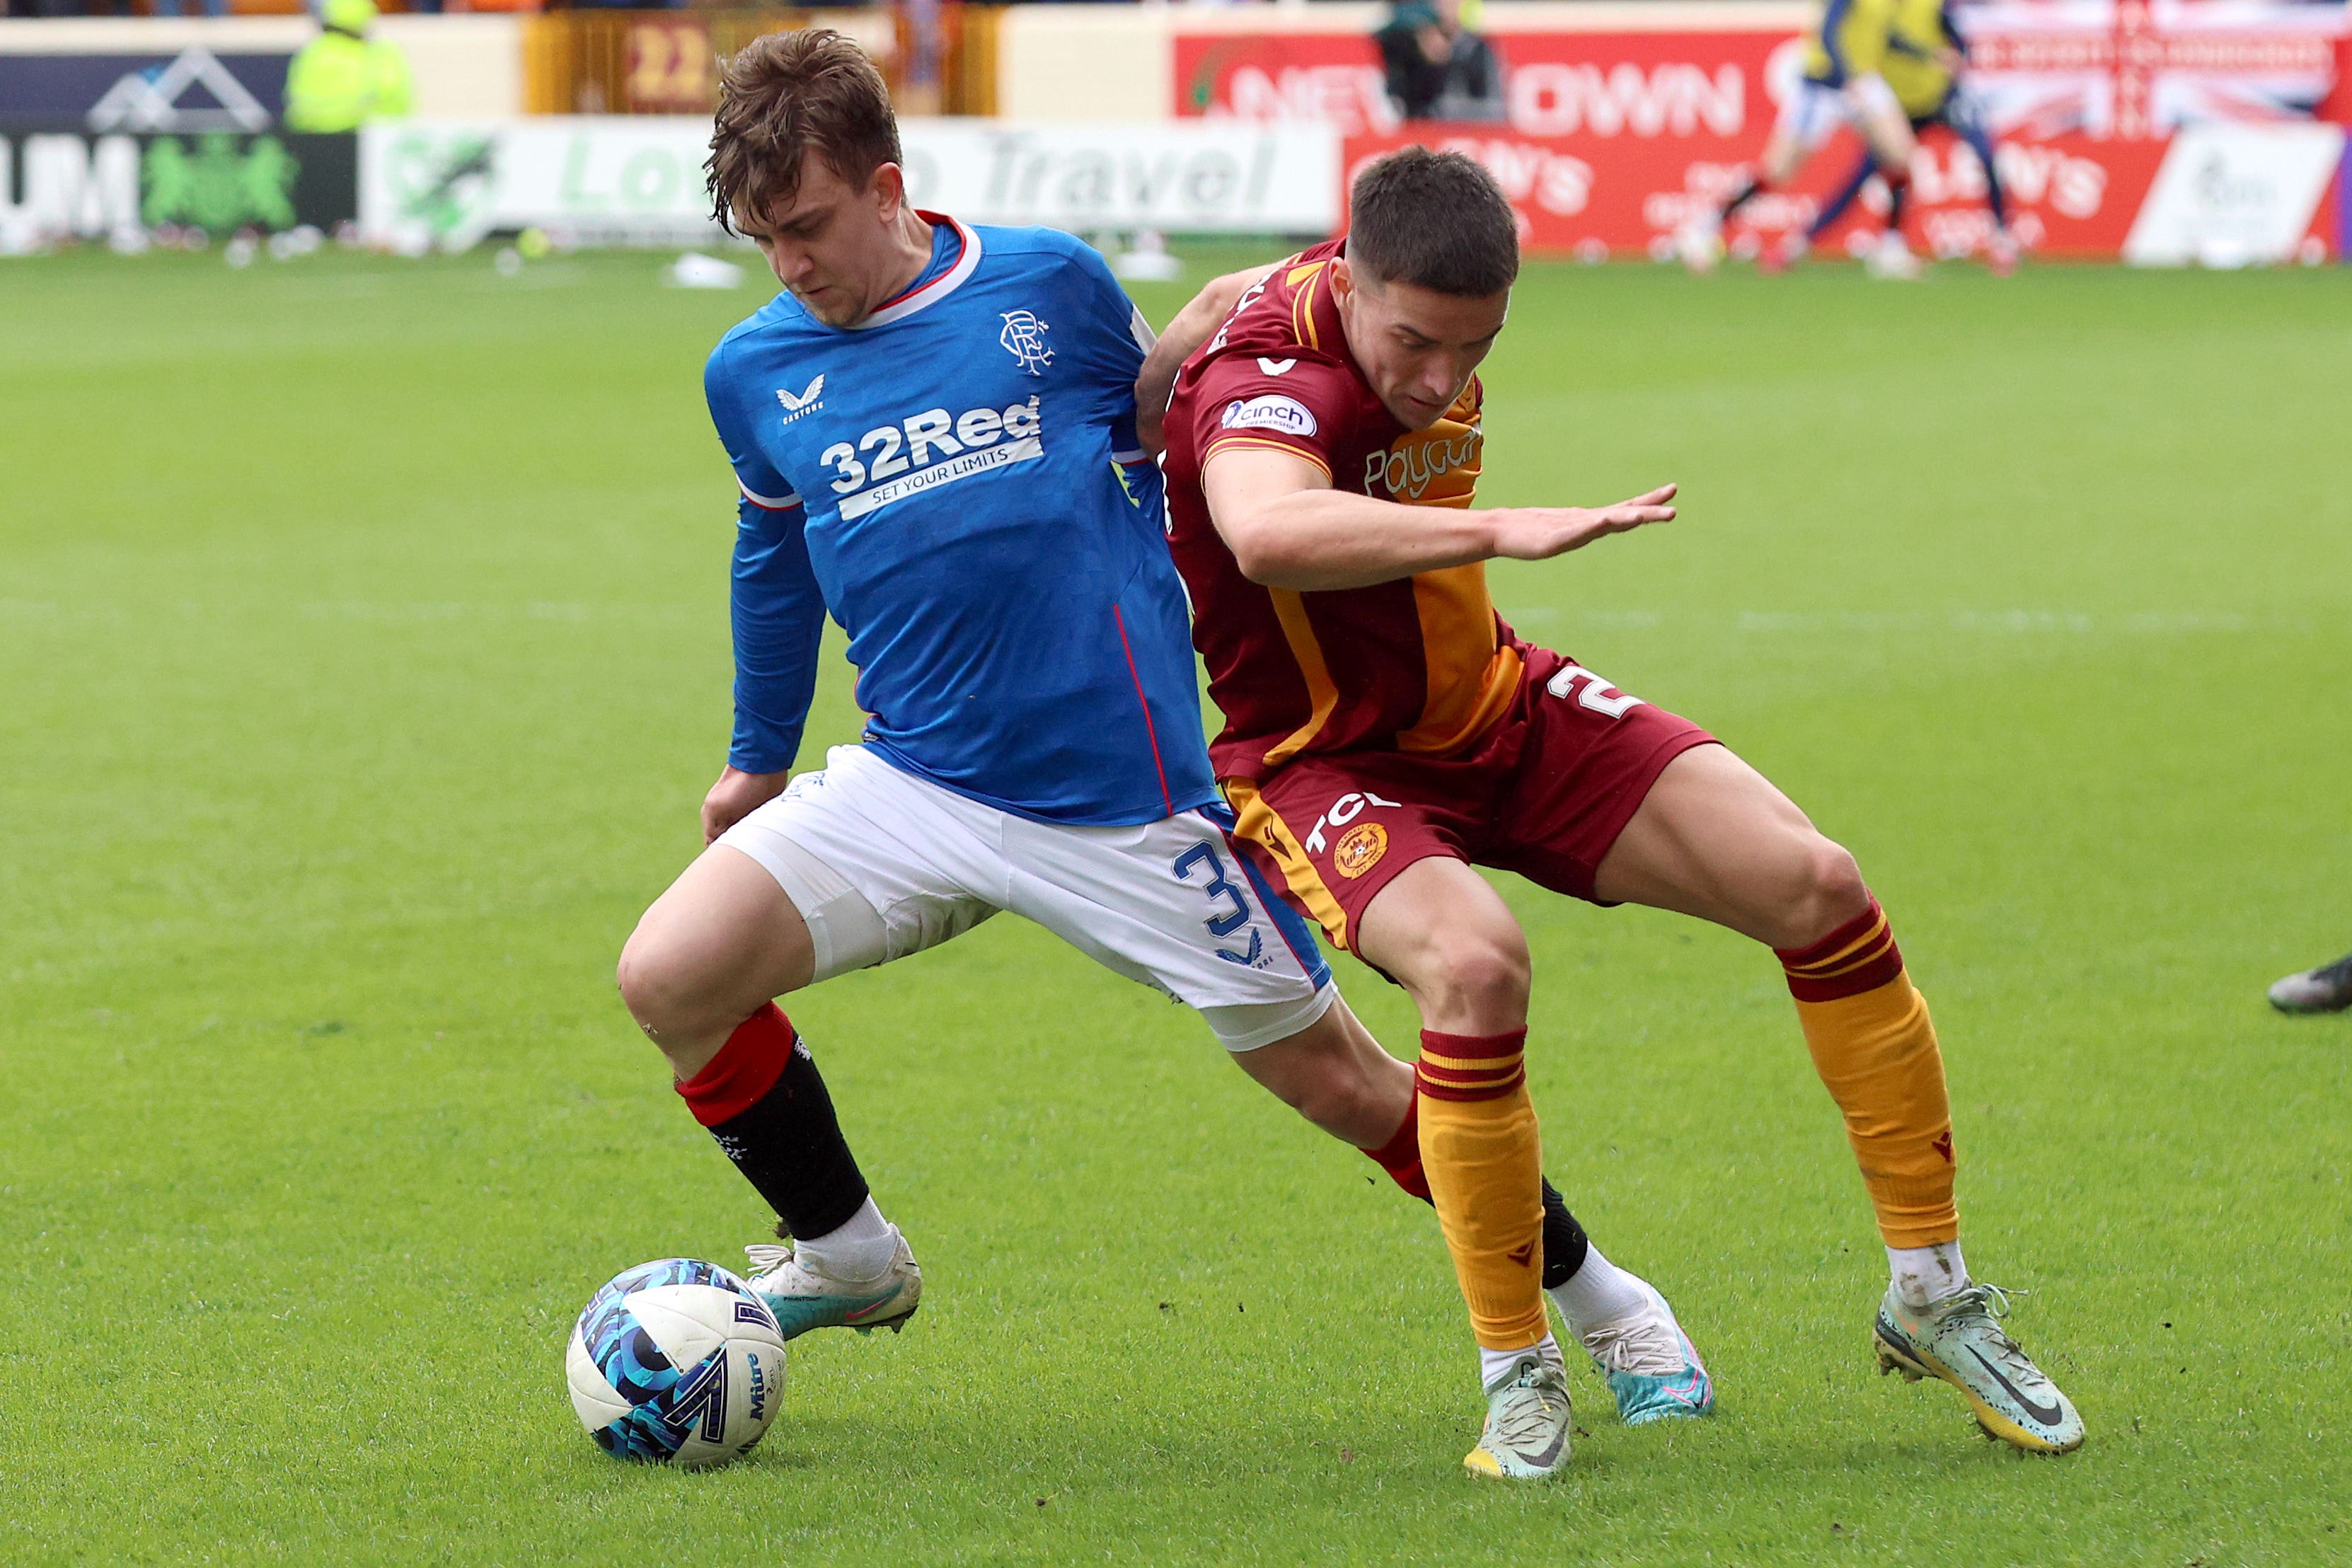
(363, 649)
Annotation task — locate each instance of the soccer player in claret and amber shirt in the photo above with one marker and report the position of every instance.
(1386, 732)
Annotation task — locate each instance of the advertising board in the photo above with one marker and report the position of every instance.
(74, 184)
(639, 179)
(1612, 136)
(192, 90)
(2068, 195)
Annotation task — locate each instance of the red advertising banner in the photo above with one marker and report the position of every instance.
(2069, 195)
(1643, 85)
(1610, 138)
(2041, 67)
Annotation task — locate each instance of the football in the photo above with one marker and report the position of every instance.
(677, 1362)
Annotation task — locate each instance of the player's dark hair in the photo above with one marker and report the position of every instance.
(783, 95)
(1435, 220)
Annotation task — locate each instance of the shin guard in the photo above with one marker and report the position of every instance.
(1484, 1158)
(764, 1101)
(1874, 1047)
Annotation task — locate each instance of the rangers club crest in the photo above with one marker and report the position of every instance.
(1024, 338)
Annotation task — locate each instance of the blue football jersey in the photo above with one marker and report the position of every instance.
(957, 480)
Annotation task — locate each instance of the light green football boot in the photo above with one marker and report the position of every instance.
(804, 1296)
(1528, 1417)
(1961, 1341)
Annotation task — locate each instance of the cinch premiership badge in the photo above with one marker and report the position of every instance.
(1270, 411)
(1359, 849)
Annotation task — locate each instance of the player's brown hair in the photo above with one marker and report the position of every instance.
(782, 96)
(1436, 220)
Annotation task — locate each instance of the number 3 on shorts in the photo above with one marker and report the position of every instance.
(1230, 920)
(1597, 694)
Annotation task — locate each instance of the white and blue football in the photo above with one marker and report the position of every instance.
(676, 1362)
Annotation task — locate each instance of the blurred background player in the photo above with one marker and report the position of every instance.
(2327, 989)
(1843, 84)
(344, 77)
(1925, 63)
(1435, 65)
(932, 421)
(1386, 733)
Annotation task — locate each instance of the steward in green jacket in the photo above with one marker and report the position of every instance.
(342, 78)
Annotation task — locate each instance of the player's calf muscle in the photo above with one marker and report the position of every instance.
(1336, 1076)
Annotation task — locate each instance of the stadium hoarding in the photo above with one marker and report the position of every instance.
(1612, 133)
(193, 89)
(630, 179)
(2231, 195)
(2215, 195)
(75, 184)
(2130, 69)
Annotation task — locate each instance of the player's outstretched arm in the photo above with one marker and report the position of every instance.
(1288, 528)
(1191, 328)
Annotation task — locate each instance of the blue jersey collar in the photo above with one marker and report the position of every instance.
(934, 283)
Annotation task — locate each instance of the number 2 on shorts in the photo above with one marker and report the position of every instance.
(1597, 694)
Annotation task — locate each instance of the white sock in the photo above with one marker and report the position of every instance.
(860, 1249)
(1494, 1366)
(1926, 1275)
(1598, 1293)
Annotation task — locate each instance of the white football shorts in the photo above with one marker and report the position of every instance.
(1811, 113)
(882, 864)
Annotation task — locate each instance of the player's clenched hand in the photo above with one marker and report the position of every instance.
(1540, 532)
(734, 797)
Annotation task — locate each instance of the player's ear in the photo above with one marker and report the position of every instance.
(1343, 276)
(888, 188)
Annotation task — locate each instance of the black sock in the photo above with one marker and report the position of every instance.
(1748, 190)
(1898, 192)
(1564, 1241)
(764, 1101)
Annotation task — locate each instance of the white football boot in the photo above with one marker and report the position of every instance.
(1891, 259)
(804, 1296)
(1650, 1365)
(1698, 244)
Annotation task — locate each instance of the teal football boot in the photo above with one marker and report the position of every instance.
(804, 1296)
(1650, 1365)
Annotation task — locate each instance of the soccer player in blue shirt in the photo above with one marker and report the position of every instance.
(934, 431)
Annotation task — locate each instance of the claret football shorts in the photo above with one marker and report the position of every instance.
(1546, 795)
(881, 864)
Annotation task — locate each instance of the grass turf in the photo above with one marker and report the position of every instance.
(361, 633)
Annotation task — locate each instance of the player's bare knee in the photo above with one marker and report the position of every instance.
(638, 977)
(1827, 892)
(659, 987)
(1476, 981)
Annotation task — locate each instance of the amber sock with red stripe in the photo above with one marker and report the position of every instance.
(765, 1103)
(1484, 1159)
(1874, 1047)
(1565, 1243)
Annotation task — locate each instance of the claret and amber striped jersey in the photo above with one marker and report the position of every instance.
(1422, 665)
